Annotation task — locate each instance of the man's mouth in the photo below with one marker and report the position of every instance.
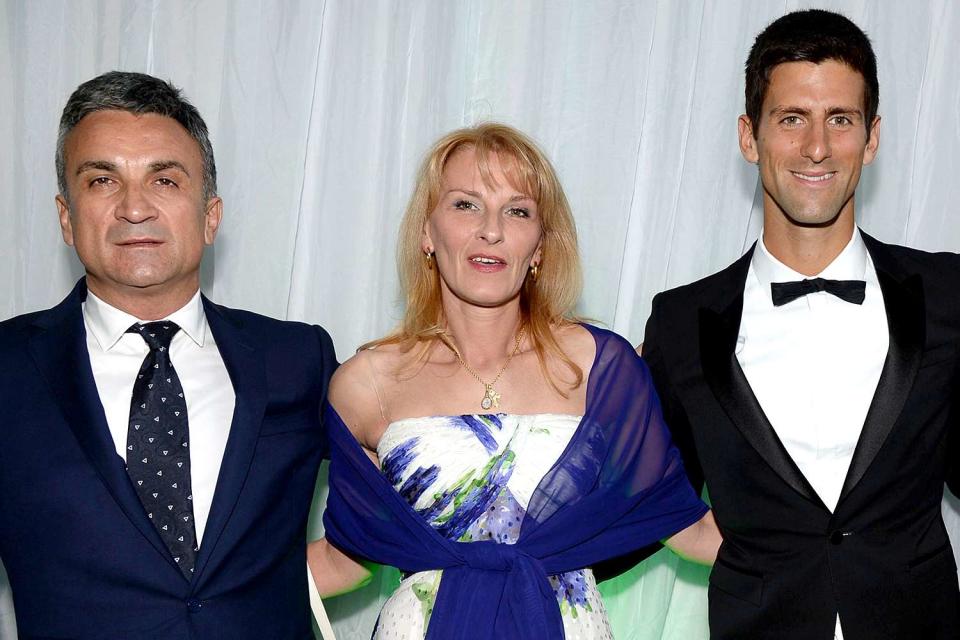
(140, 242)
(814, 177)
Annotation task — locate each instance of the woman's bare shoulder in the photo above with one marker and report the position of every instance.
(354, 394)
(578, 343)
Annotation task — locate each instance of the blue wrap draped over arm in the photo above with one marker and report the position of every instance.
(619, 485)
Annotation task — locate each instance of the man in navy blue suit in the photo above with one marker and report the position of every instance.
(158, 452)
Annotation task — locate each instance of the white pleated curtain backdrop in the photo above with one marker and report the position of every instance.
(320, 112)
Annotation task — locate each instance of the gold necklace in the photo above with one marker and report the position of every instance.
(491, 399)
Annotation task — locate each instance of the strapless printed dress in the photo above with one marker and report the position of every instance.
(471, 478)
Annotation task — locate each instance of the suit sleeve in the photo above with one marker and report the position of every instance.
(327, 363)
(953, 442)
(673, 411)
(675, 419)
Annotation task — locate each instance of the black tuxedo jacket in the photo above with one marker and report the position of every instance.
(83, 559)
(787, 564)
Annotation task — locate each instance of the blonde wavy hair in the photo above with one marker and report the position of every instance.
(546, 302)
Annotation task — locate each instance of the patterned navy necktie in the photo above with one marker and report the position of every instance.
(158, 454)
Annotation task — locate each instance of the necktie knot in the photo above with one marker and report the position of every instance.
(157, 335)
(853, 291)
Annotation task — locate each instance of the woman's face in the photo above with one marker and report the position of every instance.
(485, 237)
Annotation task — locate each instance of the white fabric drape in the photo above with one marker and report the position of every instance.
(320, 111)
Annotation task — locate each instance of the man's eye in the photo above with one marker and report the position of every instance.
(790, 120)
(166, 182)
(842, 120)
(100, 181)
(464, 205)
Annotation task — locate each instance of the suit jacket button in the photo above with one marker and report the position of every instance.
(836, 537)
(194, 605)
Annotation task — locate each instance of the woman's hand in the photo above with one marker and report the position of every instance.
(333, 571)
(699, 542)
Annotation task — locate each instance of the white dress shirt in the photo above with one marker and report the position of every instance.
(116, 356)
(814, 363)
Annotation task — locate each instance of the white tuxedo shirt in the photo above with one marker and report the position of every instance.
(814, 363)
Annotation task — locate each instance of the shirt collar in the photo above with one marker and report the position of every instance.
(851, 264)
(108, 324)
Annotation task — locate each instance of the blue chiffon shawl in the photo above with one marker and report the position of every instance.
(618, 485)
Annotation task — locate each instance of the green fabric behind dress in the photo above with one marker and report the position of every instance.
(663, 597)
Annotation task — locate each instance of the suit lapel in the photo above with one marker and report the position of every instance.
(59, 348)
(904, 304)
(245, 366)
(719, 327)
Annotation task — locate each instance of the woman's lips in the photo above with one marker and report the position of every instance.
(487, 264)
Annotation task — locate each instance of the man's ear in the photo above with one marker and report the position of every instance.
(211, 219)
(748, 143)
(870, 153)
(66, 225)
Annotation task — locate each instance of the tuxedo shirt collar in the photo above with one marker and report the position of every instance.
(108, 324)
(850, 264)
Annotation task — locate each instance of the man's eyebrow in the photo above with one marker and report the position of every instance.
(840, 109)
(781, 108)
(163, 165)
(106, 165)
(96, 165)
(803, 111)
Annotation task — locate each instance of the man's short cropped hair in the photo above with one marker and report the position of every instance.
(136, 93)
(812, 35)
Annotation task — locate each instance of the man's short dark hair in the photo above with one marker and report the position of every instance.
(136, 93)
(813, 35)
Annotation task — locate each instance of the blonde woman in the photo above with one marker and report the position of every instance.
(493, 447)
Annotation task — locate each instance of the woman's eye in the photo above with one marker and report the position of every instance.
(464, 205)
(519, 212)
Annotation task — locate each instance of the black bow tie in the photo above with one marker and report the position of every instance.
(847, 290)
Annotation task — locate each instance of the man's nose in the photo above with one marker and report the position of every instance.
(816, 143)
(136, 205)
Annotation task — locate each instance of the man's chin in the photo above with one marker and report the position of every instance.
(142, 282)
(813, 221)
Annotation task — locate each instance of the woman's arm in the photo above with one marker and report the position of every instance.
(699, 542)
(353, 396)
(333, 571)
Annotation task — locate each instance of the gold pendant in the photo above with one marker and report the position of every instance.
(490, 398)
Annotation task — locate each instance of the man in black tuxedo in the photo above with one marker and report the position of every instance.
(812, 382)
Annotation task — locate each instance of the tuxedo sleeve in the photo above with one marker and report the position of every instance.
(676, 421)
(953, 446)
(673, 411)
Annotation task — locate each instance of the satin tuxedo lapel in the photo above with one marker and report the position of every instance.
(245, 366)
(904, 304)
(59, 348)
(719, 324)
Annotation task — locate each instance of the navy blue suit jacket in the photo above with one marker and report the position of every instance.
(83, 559)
